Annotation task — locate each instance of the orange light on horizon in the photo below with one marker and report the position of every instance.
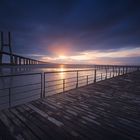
(62, 74)
(93, 57)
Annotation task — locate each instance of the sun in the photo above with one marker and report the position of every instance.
(62, 57)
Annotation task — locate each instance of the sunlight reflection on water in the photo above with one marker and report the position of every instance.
(62, 74)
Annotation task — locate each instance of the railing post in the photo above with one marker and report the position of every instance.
(119, 71)
(123, 71)
(101, 76)
(126, 70)
(9, 97)
(41, 94)
(87, 79)
(110, 74)
(95, 76)
(63, 85)
(77, 80)
(106, 73)
(44, 86)
(113, 71)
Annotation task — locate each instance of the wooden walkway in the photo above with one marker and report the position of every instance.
(107, 110)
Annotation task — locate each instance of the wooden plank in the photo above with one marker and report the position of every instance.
(52, 128)
(5, 133)
(29, 125)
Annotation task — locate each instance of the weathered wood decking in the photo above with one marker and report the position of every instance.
(107, 110)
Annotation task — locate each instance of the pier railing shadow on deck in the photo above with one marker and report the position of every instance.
(32, 86)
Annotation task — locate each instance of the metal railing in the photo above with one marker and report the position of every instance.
(59, 85)
(21, 92)
(32, 86)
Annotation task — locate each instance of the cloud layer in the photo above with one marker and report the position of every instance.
(70, 27)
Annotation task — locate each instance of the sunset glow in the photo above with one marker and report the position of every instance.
(95, 57)
(62, 57)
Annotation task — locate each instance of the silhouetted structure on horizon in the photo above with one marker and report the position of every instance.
(14, 59)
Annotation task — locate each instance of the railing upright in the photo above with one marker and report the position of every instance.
(9, 97)
(123, 70)
(106, 73)
(119, 70)
(126, 70)
(87, 79)
(77, 79)
(113, 71)
(44, 86)
(95, 76)
(101, 76)
(41, 94)
(63, 85)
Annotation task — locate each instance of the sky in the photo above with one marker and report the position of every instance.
(74, 31)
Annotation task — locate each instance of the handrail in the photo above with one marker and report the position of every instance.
(20, 91)
(68, 71)
(22, 74)
(46, 85)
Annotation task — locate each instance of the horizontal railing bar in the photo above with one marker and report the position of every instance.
(90, 77)
(99, 79)
(25, 85)
(85, 80)
(6, 103)
(5, 96)
(25, 97)
(90, 81)
(83, 83)
(69, 81)
(48, 86)
(85, 75)
(70, 78)
(81, 76)
(62, 79)
(26, 91)
(70, 85)
(53, 90)
(4, 88)
(53, 80)
(23, 74)
(67, 71)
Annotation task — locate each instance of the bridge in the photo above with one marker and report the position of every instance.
(14, 58)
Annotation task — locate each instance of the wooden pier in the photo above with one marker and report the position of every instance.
(106, 110)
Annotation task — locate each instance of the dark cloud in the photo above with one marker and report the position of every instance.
(86, 24)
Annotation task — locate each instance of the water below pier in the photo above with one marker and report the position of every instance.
(105, 110)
